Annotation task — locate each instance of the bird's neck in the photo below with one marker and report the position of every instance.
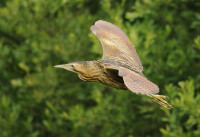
(92, 70)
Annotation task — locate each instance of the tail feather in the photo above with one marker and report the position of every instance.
(160, 99)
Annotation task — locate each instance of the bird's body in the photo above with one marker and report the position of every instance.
(96, 71)
(120, 66)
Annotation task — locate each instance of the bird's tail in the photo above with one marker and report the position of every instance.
(160, 99)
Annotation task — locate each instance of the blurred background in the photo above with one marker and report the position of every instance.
(37, 100)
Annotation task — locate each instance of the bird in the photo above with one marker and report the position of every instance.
(120, 66)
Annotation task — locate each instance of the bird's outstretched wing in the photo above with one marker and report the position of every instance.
(116, 44)
(137, 83)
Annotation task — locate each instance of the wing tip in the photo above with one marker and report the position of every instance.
(93, 28)
(137, 83)
(147, 93)
(152, 92)
(155, 90)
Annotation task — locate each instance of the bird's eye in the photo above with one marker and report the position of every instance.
(73, 68)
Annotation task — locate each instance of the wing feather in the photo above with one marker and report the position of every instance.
(137, 83)
(116, 44)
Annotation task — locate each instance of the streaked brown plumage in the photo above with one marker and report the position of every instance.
(120, 66)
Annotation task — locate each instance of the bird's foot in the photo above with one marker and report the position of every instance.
(160, 99)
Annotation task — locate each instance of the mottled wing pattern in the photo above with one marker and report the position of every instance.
(137, 83)
(116, 44)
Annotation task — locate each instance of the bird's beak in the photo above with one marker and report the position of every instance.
(66, 66)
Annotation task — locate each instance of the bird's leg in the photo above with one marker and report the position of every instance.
(160, 99)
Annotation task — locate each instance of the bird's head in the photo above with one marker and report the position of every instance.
(84, 69)
(77, 67)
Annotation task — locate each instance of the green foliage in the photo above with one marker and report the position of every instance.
(38, 100)
(184, 120)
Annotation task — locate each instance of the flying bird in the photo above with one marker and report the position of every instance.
(120, 66)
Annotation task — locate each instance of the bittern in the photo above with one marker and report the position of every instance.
(120, 66)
